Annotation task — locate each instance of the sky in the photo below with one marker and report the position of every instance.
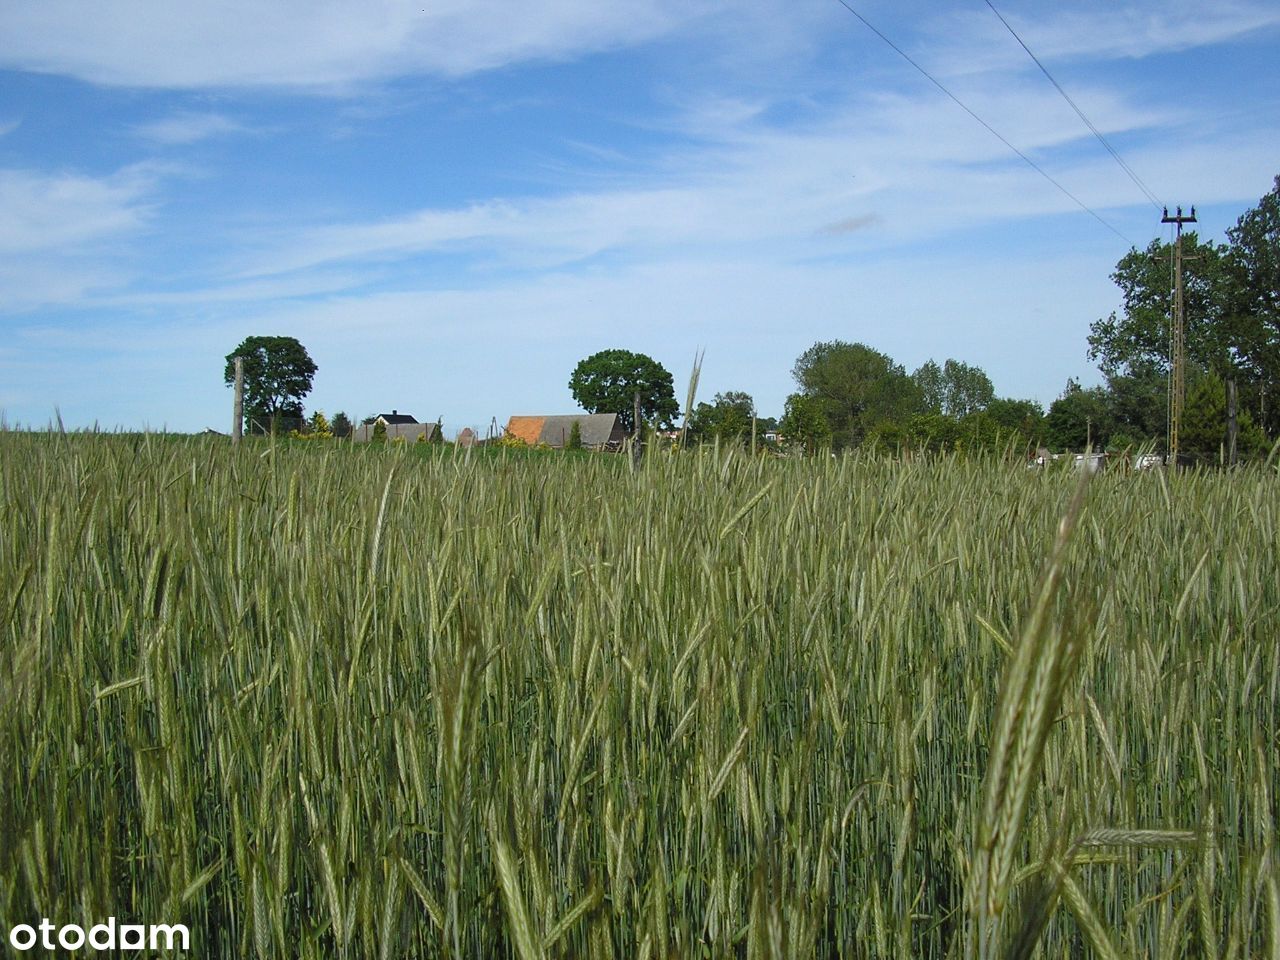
(452, 202)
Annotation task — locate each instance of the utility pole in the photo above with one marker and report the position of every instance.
(237, 423)
(635, 433)
(1233, 426)
(1177, 336)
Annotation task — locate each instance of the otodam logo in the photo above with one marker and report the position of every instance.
(107, 935)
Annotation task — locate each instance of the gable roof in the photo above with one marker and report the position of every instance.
(596, 429)
(527, 429)
(394, 417)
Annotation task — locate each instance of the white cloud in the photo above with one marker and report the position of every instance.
(184, 128)
(876, 170)
(1141, 30)
(61, 239)
(7, 127)
(299, 43)
(60, 211)
(976, 42)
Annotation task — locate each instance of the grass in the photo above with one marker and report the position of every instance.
(316, 704)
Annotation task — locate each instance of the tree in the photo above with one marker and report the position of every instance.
(1138, 340)
(804, 422)
(969, 389)
(318, 426)
(728, 416)
(607, 382)
(277, 375)
(1253, 301)
(1138, 402)
(341, 425)
(955, 389)
(575, 437)
(1204, 431)
(933, 389)
(1232, 298)
(1025, 417)
(855, 387)
(1079, 417)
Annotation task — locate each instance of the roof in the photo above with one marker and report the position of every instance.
(596, 429)
(394, 417)
(527, 429)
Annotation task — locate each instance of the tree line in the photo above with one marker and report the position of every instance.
(850, 395)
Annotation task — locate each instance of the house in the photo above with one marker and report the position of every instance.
(599, 431)
(393, 419)
(400, 426)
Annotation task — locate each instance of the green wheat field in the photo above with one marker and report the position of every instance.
(321, 701)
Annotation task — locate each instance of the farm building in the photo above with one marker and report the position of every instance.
(399, 425)
(393, 419)
(599, 431)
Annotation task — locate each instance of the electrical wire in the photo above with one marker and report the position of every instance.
(990, 129)
(1155, 201)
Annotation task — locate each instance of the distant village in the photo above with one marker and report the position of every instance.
(595, 431)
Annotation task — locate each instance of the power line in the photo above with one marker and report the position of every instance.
(990, 129)
(1155, 201)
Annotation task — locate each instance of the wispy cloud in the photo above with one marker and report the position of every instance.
(848, 225)
(65, 211)
(1134, 30)
(902, 168)
(8, 126)
(976, 42)
(297, 43)
(61, 236)
(183, 128)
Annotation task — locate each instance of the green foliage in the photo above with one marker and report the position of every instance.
(1024, 417)
(1204, 425)
(1078, 418)
(1138, 403)
(1253, 298)
(341, 425)
(277, 375)
(511, 441)
(855, 388)
(804, 423)
(379, 432)
(714, 708)
(318, 427)
(955, 389)
(606, 382)
(922, 433)
(575, 437)
(933, 389)
(1137, 340)
(1232, 295)
(727, 417)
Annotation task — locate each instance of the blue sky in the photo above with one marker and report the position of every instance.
(451, 203)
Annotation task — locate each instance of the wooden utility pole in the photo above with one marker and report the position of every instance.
(1177, 337)
(635, 432)
(237, 422)
(1233, 426)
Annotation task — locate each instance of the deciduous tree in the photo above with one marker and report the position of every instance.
(855, 387)
(607, 382)
(728, 416)
(277, 375)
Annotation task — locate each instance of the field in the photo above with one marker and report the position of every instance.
(322, 702)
